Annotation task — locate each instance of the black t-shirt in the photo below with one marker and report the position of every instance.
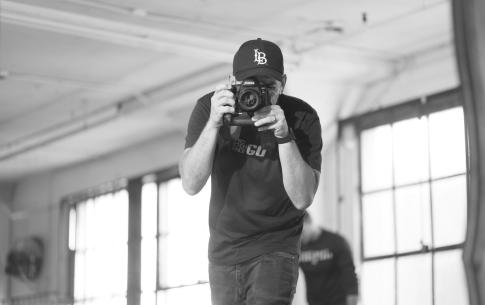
(328, 268)
(250, 212)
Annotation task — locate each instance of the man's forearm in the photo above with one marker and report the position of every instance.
(299, 179)
(196, 163)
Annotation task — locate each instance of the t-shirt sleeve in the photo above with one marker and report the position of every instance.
(309, 140)
(346, 266)
(198, 119)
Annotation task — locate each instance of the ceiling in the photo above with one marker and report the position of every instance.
(84, 78)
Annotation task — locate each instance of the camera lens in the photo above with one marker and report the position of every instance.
(249, 100)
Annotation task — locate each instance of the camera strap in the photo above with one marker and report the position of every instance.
(229, 133)
(267, 138)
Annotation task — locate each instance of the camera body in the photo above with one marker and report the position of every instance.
(249, 96)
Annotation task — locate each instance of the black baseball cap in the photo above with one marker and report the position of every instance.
(258, 57)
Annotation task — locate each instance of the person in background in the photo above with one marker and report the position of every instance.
(262, 150)
(327, 265)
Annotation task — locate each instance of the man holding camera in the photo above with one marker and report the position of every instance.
(262, 149)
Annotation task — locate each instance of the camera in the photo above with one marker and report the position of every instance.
(249, 96)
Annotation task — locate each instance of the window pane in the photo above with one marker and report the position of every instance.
(376, 158)
(81, 224)
(148, 298)
(80, 276)
(121, 214)
(149, 210)
(414, 280)
(72, 229)
(109, 219)
(450, 281)
(100, 268)
(184, 235)
(413, 218)
(449, 211)
(111, 300)
(378, 224)
(197, 294)
(106, 269)
(378, 287)
(410, 151)
(447, 142)
(148, 264)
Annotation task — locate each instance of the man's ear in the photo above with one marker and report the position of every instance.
(283, 82)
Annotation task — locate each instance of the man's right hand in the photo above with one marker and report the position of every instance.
(222, 102)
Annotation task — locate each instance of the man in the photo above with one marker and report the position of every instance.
(263, 176)
(326, 262)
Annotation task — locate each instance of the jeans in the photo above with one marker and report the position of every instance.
(268, 279)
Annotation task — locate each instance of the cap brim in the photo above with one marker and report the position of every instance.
(258, 72)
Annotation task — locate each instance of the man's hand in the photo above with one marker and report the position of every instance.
(222, 102)
(271, 117)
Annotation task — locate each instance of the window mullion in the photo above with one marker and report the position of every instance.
(431, 215)
(134, 242)
(394, 216)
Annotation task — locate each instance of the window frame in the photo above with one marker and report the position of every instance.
(410, 109)
(133, 186)
(415, 108)
(159, 178)
(70, 202)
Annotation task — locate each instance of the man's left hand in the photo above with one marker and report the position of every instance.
(271, 117)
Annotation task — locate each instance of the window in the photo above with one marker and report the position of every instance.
(413, 208)
(174, 244)
(98, 235)
(152, 226)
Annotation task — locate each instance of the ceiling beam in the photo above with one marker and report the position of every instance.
(129, 34)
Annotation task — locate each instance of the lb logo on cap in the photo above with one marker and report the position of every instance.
(260, 57)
